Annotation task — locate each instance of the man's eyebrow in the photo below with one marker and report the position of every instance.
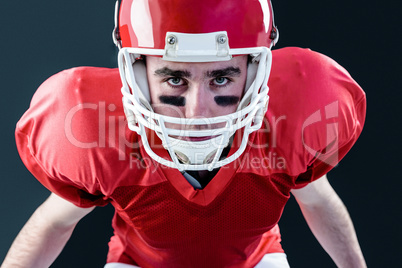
(228, 71)
(165, 71)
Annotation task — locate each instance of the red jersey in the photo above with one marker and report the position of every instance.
(75, 141)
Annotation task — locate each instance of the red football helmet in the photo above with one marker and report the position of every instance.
(194, 31)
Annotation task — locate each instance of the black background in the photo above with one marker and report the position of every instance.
(40, 38)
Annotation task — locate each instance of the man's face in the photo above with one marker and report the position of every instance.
(196, 90)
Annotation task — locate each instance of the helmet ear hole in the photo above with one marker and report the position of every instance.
(274, 36)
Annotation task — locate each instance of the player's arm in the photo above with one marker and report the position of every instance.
(330, 223)
(45, 234)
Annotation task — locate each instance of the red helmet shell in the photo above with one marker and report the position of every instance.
(144, 23)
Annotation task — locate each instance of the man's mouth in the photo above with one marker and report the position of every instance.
(198, 138)
(195, 139)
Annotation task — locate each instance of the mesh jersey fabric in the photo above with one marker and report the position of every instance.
(75, 141)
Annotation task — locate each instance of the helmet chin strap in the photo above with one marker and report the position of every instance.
(196, 152)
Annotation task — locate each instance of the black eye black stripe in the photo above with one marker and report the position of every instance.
(226, 100)
(181, 101)
(173, 100)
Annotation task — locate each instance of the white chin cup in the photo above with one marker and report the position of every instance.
(196, 152)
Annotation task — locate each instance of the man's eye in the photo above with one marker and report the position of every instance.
(175, 81)
(220, 81)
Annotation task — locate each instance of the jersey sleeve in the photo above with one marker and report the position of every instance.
(340, 136)
(323, 111)
(329, 132)
(72, 191)
(56, 138)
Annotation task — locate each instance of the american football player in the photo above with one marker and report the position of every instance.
(197, 139)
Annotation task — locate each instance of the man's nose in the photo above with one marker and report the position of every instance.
(198, 103)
